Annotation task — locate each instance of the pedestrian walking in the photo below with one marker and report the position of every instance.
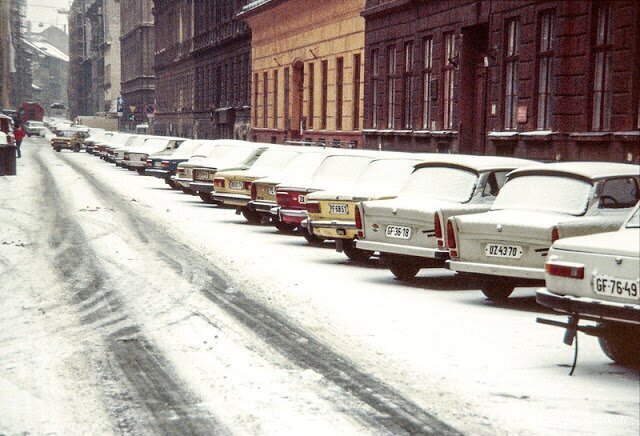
(19, 135)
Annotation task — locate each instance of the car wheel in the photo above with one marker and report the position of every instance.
(356, 254)
(252, 217)
(401, 268)
(206, 197)
(284, 227)
(58, 149)
(621, 343)
(497, 290)
(310, 237)
(140, 171)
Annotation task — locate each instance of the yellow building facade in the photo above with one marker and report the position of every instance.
(307, 70)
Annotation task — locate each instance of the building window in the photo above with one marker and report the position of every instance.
(275, 99)
(323, 103)
(545, 70)
(375, 78)
(427, 71)
(449, 80)
(638, 113)
(339, 91)
(312, 84)
(601, 105)
(356, 91)
(265, 92)
(255, 97)
(287, 122)
(407, 82)
(512, 57)
(391, 86)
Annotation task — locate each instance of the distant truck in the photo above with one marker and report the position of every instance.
(30, 111)
(109, 124)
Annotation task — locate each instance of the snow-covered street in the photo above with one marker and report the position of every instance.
(128, 307)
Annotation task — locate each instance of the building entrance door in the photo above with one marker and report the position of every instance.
(474, 60)
(297, 102)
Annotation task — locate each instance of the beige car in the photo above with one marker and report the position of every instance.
(596, 278)
(508, 245)
(407, 230)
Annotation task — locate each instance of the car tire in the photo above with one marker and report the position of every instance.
(284, 227)
(251, 216)
(404, 272)
(206, 197)
(310, 237)
(356, 254)
(140, 171)
(621, 343)
(58, 149)
(497, 290)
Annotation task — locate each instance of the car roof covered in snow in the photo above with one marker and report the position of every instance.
(584, 170)
(476, 163)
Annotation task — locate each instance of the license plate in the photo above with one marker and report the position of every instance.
(398, 232)
(272, 190)
(236, 184)
(500, 250)
(612, 286)
(157, 164)
(339, 209)
(302, 199)
(202, 175)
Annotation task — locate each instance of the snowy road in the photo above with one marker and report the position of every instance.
(131, 308)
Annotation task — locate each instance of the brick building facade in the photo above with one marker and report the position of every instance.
(551, 80)
(136, 61)
(202, 67)
(307, 66)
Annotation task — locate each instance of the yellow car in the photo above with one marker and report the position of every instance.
(331, 214)
(233, 188)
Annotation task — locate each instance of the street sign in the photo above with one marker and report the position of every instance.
(120, 105)
(150, 110)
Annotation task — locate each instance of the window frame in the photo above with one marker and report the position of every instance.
(511, 73)
(601, 49)
(265, 96)
(275, 98)
(324, 73)
(357, 66)
(545, 52)
(448, 79)
(392, 60)
(311, 102)
(427, 76)
(339, 91)
(407, 85)
(375, 78)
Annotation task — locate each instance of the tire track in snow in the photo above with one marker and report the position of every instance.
(390, 410)
(130, 356)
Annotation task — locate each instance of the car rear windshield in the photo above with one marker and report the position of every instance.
(634, 220)
(386, 174)
(274, 159)
(303, 165)
(231, 154)
(339, 171)
(545, 193)
(441, 183)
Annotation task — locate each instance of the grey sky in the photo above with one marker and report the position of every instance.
(45, 12)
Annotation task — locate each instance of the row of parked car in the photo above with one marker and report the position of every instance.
(502, 222)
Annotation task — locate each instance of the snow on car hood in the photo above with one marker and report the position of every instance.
(624, 242)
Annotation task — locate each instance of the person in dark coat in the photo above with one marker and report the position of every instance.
(19, 134)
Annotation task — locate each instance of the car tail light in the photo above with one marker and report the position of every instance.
(149, 163)
(247, 185)
(165, 164)
(142, 158)
(437, 223)
(218, 182)
(451, 239)
(282, 198)
(359, 226)
(254, 191)
(180, 171)
(313, 207)
(564, 270)
(126, 156)
(555, 235)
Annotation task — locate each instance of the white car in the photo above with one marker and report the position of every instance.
(135, 158)
(407, 230)
(508, 246)
(597, 278)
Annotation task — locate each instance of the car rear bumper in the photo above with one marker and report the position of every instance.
(589, 308)
(202, 187)
(231, 199)
(263, 207)
(332, 229)
(161, 174)
(383, 247)
(292, 216)
(496, 270)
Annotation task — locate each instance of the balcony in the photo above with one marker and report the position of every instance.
(224, 32)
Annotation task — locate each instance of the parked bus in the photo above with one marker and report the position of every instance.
(30, 111)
